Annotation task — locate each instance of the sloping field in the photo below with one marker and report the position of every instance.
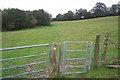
(81, 30)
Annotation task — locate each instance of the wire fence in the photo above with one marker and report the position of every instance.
(114, 41)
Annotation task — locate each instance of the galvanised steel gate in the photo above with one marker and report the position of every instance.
(11, 67)
(76, 57)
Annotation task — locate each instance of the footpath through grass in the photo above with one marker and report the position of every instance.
(81, 30)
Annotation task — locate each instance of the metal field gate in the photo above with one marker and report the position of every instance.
(13, 68)
(76, 57)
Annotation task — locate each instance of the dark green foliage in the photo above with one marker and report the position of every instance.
(13, 18)
(0, 20)
(31, 20)
(59, 17)
(81, 14)
(100, 10)
(114, 9)
(43, 18)
(18, 19)
(69, 16)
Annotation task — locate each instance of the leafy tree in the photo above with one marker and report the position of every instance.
(114, 9)
(119, 8)
(43, 18)
(59, 17)
(69, 15)
(0, 20)
(99, 10)
(77, 15)
(31, 20)
(109, 11)
(7, 21)
(17, 19)
(14, 19)
(81, 14)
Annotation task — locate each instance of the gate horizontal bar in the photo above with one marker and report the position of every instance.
(42, 76)
(75, 59)
(73, 72)
(23, 57)
(75, 50)
(25, 73)
(22, 47)
(76, 42)
(25, 65)
(76, 66)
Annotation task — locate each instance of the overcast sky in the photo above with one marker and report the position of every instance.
(54, 7)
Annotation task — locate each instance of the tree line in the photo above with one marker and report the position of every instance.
(14, 18)
(100, 10)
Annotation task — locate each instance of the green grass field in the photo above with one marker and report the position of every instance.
(80, 30)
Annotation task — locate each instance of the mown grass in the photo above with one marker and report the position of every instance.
(81, 30)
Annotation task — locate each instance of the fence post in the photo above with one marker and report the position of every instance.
(53, 61)
(59, 60)
(104, 48)
(96, 51)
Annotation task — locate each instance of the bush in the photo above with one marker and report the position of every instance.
(18, 19)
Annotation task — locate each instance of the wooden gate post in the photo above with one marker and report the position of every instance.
(59, 59)
(104, 48)
(53, 59)
(96, 51)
